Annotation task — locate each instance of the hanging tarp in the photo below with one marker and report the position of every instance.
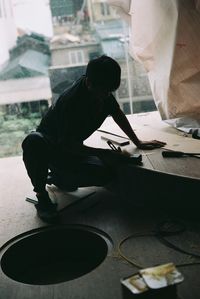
(165, 38)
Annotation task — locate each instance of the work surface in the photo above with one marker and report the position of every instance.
(129, 210)
(149, 126)
(175, 180)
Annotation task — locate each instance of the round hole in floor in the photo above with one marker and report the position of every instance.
(55, 254)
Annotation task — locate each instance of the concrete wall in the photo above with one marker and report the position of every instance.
(63, 55)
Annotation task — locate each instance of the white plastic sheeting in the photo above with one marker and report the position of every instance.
(165, 38)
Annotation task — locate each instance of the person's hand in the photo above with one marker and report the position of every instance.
(115, 157)
(149, 145)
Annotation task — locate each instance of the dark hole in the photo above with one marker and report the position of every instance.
(54, 255)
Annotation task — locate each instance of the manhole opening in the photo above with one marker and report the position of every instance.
(54, 255)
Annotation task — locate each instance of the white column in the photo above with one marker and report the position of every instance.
(89, 5)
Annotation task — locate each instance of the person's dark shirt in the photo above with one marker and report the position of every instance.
(75, 115)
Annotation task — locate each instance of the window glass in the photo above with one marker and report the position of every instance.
(45, 51)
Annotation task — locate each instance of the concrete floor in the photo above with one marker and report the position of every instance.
(111, 216)
(15, 186)
(12, 170)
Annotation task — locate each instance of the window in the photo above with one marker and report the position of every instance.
(76, 57)
(105, 9)
(123, 89)
(61, 7)
(16, 121)
(139, 106)
(62, 58)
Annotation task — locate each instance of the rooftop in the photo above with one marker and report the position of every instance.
(23, 66)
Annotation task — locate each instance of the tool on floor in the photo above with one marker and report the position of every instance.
(117, 140)
(178, 154)
(31, 200)
(196, 134)
(134, 158)
(156, 282)
(113, 134)
(113, 147)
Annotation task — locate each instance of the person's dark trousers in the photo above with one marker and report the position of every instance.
(39, 155)
(88, 171)
(36, 157)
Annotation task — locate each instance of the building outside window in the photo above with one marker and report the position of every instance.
(35, 67)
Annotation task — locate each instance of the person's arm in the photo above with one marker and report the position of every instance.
(122, 121)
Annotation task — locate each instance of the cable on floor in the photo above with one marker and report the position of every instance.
(162, 230)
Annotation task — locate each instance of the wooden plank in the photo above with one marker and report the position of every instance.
(184, 166)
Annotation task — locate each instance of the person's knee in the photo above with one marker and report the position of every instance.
(33, 140)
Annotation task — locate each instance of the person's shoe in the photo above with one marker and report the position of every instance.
(47, 212)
